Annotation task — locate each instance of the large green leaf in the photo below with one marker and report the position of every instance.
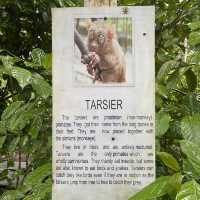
(41, 86)
(191, 80)
(18, 115)
(2, 140)
(38, 175)
(35, 126)
(21, 118)
(173, 80)
(189, 170)
(3, 129)
(194, 25)
(195, 59)
(156, 189)
(9, 61)
(190, 127)
(175, 129)
(161, 90)
(191, 105)
(23, 76)
(17, 194)
(47, 61)
(189, 191)
(166, 68)
(169, 161)
(40, 59)
(175, 185)
(194, 38)
(68, 3)
(193, 155)
(40, 191)
(12, 195)
(162, 56)
(10, 110)
(157, 145)
(31, 65)
(37, 56)
(14, 144)
(162, 123)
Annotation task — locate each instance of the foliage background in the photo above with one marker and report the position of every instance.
(25, 99)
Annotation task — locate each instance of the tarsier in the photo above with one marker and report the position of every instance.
(107, 58)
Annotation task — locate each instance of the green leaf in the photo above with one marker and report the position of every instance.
(193, 154)
(18, 115)
(191, 80)
(190, 127)
(41, 87)
(11, 109)
(189, 191)
(24, 140)
(170, 42)
(31, 65)
(13, 144)
(21, 118)
(162, 123)
(47, 61)
(195, 59)
(194, 38)
(3, 129)
(162, 90)
(162, 56)
(156, 189)
(37, 56)
(12, 195)
(189, 170)
(169, 161)
(173, 80)
(2, 140)
(38, 175)
(35, 127)
(175, 185)
(9, 61)
(69, 3)
(194, 25)
(191, 105)
(159, 101)
(40, 191)
(157, 145)
(4, 70)
(166, 68)
(175, 129)
(23, 76)
(66, 3)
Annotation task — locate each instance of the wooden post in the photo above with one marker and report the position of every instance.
(99, 3)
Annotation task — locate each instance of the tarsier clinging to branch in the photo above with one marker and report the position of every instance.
(107, 60)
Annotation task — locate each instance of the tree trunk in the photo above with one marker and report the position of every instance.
(98, 3)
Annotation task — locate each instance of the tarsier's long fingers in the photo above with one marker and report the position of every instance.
(94, 60)
(90, 70)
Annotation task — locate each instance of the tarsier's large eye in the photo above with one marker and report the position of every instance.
(101, 38)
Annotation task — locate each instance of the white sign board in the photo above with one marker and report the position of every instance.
(103, 102)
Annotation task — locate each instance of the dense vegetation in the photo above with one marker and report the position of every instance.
(25, 99)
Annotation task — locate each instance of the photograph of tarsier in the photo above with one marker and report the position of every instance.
(103, 52)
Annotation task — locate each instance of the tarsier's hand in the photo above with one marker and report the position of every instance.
(94, 60)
